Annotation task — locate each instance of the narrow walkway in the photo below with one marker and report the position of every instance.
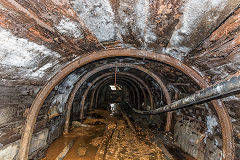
(108, 137)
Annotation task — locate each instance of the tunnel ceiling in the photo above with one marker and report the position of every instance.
(39, 37)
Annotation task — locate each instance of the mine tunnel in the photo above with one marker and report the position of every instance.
(120, 79)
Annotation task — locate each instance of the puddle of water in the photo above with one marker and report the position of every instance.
(83, 136)
(104, 138)
(56, 147)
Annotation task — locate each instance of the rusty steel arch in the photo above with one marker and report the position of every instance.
(142, 82)
(112, 65)
(107, 81)
(225, 122)
(110, 76)
(168, 100)
(70, 100)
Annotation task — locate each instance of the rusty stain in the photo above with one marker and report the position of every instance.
(38, 34)
(217, 56)
(22, 22)
(31, 15)
(165, 16)
(229, 26)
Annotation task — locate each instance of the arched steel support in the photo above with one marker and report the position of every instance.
(72, 95)
(167, 96)
(94, 71)
(108, 66)
(121, 75)
(226, 125)
(106, 81)
(143, 84)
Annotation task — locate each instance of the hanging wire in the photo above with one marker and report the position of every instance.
(117, 87)
(115, 81)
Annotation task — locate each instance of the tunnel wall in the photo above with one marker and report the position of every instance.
(217, 58)
(196, 130)
(15, 103)
(177, 81)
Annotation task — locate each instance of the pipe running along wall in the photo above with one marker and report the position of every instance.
(226, 126)
(217, 90)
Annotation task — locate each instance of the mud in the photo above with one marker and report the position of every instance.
(108, 137)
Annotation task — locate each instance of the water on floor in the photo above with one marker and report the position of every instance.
(109, 137)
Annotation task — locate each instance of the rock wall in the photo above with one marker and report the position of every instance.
(39, 142)
(218, 58)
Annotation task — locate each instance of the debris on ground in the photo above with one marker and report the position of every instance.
(105, 138)
(82, 151)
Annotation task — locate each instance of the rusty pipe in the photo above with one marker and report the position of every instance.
(217, 90)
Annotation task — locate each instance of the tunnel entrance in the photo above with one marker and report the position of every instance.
(148, 81)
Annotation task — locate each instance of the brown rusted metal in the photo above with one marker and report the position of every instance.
(155, 77)
(25, 19)
(226, 125)
(71, 97)
(100, 78)
(89, 74)
(77, 86)
(106, 81)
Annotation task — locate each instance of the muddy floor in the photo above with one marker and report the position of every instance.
(108, 137)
